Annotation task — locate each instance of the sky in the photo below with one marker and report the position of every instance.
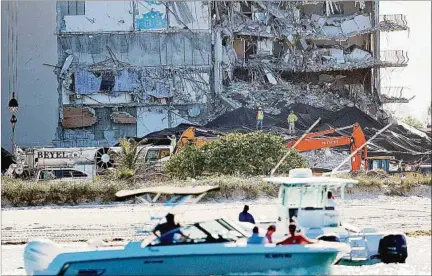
(417, 42)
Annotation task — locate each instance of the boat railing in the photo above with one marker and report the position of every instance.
(177, 196)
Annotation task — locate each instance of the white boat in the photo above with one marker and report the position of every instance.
(215, 247)
(303, 199)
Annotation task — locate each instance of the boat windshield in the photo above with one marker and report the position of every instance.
(301, 197)
(214, 231)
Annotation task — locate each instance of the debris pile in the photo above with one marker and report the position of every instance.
(399, 141)
(275, 98)
(327, 159)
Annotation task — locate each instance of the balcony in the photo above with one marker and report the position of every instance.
(393, 58)
(326, 59)
(393, 22)
(396, 94)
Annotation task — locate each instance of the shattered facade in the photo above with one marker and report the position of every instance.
(323, 53)
(133, 67)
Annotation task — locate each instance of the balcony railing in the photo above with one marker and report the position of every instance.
(396, 94)
(394, 57)
(393, 22)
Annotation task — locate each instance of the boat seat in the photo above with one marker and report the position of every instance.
(310, 217)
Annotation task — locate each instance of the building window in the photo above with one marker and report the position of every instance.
(76, 8)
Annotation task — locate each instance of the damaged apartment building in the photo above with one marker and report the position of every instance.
(127, 68)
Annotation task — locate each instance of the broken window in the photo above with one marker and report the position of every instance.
(75, 8)
(108, 81)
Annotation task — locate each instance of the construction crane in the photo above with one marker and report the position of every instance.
(314, 141)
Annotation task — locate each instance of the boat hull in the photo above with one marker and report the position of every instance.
(204, 264)
(205, 259)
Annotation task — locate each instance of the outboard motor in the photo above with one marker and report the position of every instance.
(393, 249)
(39, 254)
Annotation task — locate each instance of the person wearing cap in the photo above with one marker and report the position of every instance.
(244, 216)
(294, 238)
(260, 118)
(292, 118)
(270, 230)
(166, 227)
(255, 238)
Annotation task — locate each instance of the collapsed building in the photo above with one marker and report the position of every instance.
(129, 68)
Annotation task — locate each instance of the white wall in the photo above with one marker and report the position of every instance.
(37, 83)
(102, 16)
(200, 13)
(150, 119)
(98, 99)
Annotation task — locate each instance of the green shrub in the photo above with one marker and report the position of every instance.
(189, 162)
(253, 153)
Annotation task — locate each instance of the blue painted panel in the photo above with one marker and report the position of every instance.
(151, 20)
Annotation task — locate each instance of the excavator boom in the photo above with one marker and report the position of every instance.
(313, 141)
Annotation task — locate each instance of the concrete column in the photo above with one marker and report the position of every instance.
(218, 52)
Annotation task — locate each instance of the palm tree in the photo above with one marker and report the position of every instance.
(127, 160)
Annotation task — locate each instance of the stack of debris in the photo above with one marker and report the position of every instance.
(281, 95)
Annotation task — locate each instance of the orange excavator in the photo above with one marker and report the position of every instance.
(313, 141)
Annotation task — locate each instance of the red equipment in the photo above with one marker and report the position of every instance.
(313, 141)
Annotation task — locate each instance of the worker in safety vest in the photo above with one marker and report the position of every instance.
(173, 140)
(260, 118)
(292, 118)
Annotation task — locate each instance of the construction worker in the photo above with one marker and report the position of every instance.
(173, 140)
(260, 118)
(292, 118)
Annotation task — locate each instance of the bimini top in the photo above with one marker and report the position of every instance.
(168, 190)
(304, 177)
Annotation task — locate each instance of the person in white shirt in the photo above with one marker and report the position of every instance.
(330, 200)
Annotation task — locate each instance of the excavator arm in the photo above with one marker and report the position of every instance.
(313, 141)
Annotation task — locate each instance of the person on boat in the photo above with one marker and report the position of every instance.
(245, 216)
(255, 238)
(330, 200)
(166, 227)
(294, 238)
(270, 230)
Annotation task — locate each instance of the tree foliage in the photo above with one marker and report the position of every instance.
(412, 121)
(189, 162)
(254, 153)
(127, 159)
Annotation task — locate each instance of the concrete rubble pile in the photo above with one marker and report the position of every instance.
(274, 98)
(327, 159)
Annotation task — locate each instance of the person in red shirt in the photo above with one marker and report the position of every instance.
(294, 239)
